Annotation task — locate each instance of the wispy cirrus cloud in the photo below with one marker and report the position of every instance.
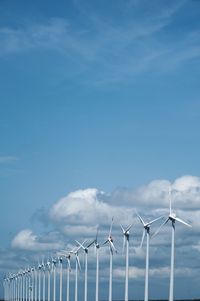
(118, 49)
(8, 159)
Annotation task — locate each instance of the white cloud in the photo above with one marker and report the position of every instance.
(80, 211)
(77, 215)
(115, 48)
(26, 240)
(86, 207)
(187, 183)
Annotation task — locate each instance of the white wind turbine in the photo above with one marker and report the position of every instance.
(173, 218)
(68, 257)
(97, 246)
(48, 265)
(53, 260)
(39, 282)
(35, 276)
(146, 230)
(33, 283)
(126, 235)
(78, 267)
(112, 249)
(43, 281)
(85, 248)
(60, 260)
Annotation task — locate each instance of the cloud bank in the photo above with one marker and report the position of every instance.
(77, 215)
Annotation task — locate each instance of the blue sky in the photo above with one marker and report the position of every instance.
(95, 94)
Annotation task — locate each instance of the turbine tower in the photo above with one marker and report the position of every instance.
(146, 230)
(112, 250)
(126, 235)
(172, 218)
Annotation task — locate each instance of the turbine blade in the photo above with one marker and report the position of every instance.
(158, 230)
(111, 226)
(142, 240)
(112, 246)
(81, 245)
(143, 223)
(105, 242)
(97, 233)
(170, 199)
(76, 249)
(129, 227)
(122, 228)
(154, 220)
(90, 244)
(182, 222)
(78, 262)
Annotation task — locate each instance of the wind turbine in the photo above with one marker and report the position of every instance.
(53, 260)
(85, 248)
(60, 260)
(78, 267)
(35, 276)
(68, 257)
(97, 246)
(172, 218)
(146, 230)
(48, 265)
(32, 284)
(29, 286)
(126, 235)
(112, 249)
(43, 282)
(39, 281)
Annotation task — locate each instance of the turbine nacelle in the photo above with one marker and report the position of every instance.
(110, 240)
(172, 216)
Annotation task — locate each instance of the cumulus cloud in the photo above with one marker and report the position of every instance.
(79, 213)
(27, 240)
(86, 207)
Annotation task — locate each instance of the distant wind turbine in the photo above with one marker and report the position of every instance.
(68, 257)
(43, 282)
(39, 282)
(126, 235)
(53, 260)
(48, 265)
(78, 267)
(112, 249)
(60, 260)
(85, 248)
(97, 246)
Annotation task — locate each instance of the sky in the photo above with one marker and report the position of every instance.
(99, 115)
